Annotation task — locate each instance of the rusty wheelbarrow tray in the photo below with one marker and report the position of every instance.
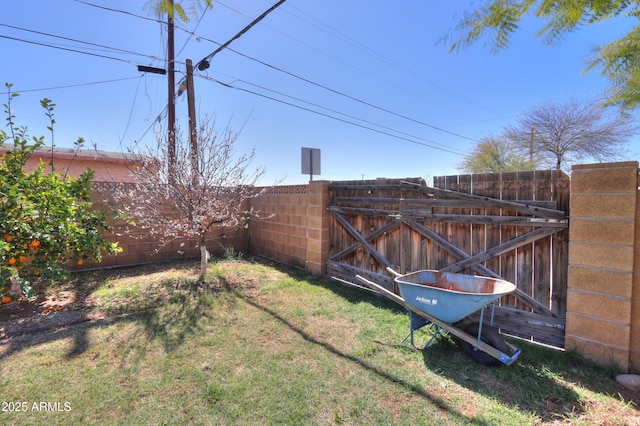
(445, 299)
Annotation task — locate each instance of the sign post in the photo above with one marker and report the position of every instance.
(310, 162)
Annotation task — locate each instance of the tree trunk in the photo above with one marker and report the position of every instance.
(204, 257)
(559, 161)
(15, 289)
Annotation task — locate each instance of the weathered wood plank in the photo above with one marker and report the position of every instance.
(524, 253)
(348, 273)
(481, 269)
(443, 202)
(375, 234)
(454, 218)
(365, 244)
(516, 242)
(527, 324)
(490, 202)
(434, 230)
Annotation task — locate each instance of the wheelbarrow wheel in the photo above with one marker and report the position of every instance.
(490, 336)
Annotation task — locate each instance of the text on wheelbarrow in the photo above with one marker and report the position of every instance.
(427, 301)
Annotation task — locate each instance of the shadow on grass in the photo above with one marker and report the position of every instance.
(77, 329)
(537, 383)
(181, 317)
(170, 320)
(441, 403)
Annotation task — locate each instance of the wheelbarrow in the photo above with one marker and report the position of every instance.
(444, 300)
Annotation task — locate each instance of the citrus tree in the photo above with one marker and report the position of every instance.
(46, 218)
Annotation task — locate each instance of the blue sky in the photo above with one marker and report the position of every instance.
(405, 106)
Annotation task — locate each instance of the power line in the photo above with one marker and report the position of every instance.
(204, 63)
(306, 80)
(191, 33)
(126, 129)
(327, 115)
(379, 56)
(225, 45)
(118, 11)
(361, 47)
(79, 41)
(53, 46)
(351, 116)
(72, 85)
(337, 92)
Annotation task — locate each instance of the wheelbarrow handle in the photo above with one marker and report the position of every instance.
(392, 272)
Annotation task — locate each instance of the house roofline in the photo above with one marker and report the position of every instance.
(62, 153)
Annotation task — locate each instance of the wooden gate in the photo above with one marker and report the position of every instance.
(512, 226)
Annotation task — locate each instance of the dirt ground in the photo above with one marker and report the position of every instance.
(56, 310)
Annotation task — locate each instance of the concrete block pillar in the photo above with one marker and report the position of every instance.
(603, 296)
(318, 227)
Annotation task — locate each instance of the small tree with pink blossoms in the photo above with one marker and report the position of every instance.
(211, 188)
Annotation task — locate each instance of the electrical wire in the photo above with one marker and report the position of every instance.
(117, 11)
(126, 128)
(337, 92)
(353, 98)
(230, 86)
(72, 85)
(352, 116)
(368, 51)
(79, 41)
(65, 48)
(191, 33)
(253, 23)
(53, 46)
(244, 30)
(239, 34)
(158, 119)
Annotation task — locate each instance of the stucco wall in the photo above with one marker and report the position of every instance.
(107, 166)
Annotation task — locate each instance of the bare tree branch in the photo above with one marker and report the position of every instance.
(216, 194)
(560, 134)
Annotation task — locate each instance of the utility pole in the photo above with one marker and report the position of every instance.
(533, 131)
(193, 136)
(171, 103)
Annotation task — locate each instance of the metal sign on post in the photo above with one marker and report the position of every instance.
(310, 162)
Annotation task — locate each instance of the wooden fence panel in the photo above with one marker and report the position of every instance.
(510, 225)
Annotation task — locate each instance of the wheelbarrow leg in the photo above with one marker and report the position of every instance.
(417, 322)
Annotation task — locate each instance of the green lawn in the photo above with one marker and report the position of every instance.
(258, 344)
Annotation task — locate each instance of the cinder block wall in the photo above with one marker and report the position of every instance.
(295, 225)
(139, 247)
(294, 229)
(603, 296)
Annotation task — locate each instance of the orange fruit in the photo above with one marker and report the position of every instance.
(80, 262)
(8, 237)
(12, 261)
(35, 243)
(6, 299)
(22, 259)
